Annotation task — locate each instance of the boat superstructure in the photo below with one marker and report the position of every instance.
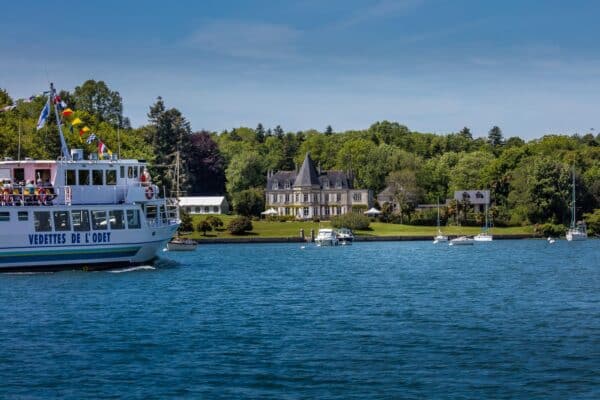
(81, 213)
(327, 237)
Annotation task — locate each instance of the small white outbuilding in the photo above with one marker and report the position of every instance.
(204, 204)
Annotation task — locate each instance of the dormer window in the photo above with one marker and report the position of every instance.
(466, 196)
(479, 195)
(338, 184)
(275, 185)
(326, 184)
(286, 184)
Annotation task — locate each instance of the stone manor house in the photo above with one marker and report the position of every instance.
(309, 193)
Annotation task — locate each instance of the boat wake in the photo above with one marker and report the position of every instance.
(131, 269)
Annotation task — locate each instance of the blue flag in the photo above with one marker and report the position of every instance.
(90, 138)
(44, 115)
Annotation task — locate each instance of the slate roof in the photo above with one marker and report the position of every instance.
(307, 176)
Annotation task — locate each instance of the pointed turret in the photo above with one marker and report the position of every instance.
(307, 176)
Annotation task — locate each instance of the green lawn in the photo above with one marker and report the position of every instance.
(269, 229)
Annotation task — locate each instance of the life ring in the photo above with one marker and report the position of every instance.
(149, 193)
(42, 196)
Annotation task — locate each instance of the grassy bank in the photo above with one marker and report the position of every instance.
(270, 229)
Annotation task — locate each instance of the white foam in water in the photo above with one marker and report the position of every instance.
(140, 268)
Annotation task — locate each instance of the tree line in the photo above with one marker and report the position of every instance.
(530, 181)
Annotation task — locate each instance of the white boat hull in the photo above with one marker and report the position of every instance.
(175, 246)
(326, 242)
(22, 248)
(461, 241)
(576, 236)
(483, 237)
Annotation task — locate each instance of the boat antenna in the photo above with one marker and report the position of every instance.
(118, 143)
(63, 143)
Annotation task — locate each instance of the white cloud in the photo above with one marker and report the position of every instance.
(246, 39)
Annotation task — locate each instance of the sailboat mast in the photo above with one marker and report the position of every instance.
(438, 213)
(63, 143)
(573, 218)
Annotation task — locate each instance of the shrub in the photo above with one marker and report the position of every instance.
(215, 222)
(204, 226)
(239, 225)
(549, 229)
(353, 221)
(593, 222)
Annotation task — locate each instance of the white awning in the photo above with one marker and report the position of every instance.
(270, 211)
(372, 211)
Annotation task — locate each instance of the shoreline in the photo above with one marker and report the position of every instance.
(259, 240)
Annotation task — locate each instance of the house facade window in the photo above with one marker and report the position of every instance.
(338, 184)
(286, 185)
(305, 211)
(357, 196)
(216, 209)
(275, 185)
(338, 197)
(306, 197)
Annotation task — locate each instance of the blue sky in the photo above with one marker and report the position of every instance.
(530, 67)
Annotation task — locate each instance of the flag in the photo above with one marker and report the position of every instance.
(101, 149)
(76, 122)
(67, 113)
(43, 115)
(91, 138)
(82, 131)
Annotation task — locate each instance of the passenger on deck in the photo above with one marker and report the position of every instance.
(145, 178)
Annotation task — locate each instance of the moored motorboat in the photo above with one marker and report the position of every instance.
(461, 241)
(326, 237)
(345, 236)
(180, 244)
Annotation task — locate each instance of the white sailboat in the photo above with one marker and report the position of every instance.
(439, 237)
(179, 243)
(484, 236)
(577, 230)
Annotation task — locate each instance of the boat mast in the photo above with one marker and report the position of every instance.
(573, 202)
(438, 213)
(63, 143)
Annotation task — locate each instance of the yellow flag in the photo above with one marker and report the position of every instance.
(85, 129)
(76, 122)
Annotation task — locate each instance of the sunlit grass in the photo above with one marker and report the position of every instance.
(272, 229)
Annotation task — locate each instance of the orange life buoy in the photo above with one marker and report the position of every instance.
(149, 193)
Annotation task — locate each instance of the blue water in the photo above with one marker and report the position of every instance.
(503, 320)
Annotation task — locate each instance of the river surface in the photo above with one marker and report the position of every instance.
(502, 320)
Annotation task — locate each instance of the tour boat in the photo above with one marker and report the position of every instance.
(345, 236)
(76, 213)
(577, 231)
(326, 237)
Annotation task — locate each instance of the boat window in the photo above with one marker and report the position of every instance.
(117, 219)
(135, 172)
(61, 221)
(99, 222)
(4, 216)
(97, 177)
(84, 176)
(133, 219)
(19, 175)
(71, 178)
(42, 221)
(81, 220)
(122, 172)
(23, 216)
(130, 172)
(151, 212)
(111, 177)
(42, 174)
